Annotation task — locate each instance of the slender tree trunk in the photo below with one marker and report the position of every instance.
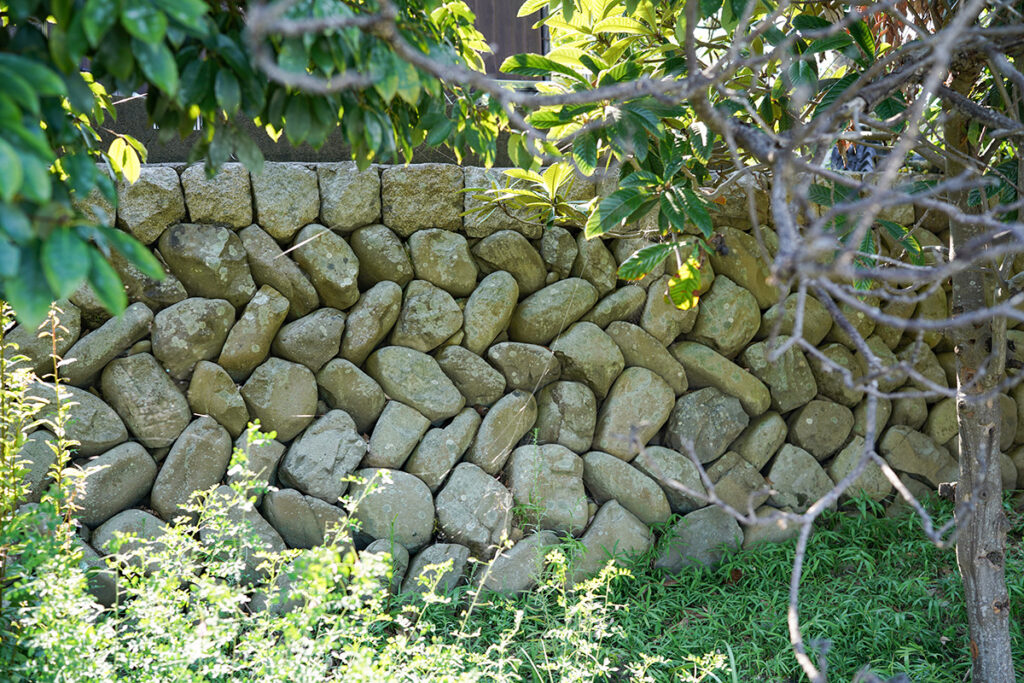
(981, 531)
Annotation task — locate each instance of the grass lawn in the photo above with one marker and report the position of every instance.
(875, 593)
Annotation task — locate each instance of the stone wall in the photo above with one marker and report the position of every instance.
(497, 373)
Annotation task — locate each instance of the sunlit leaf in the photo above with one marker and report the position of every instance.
(684, 285)
(643, 261)
(615, 209)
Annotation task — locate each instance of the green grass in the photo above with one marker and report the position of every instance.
(874, 590)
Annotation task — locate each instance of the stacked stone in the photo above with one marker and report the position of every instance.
(489, 381)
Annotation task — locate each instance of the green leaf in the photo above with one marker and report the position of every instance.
(702, 142)
(619, 25)
(615, 209)
(643, 261)
(11, 177)
(696, 209)
(144, 21)
(98, 16)
(584, 153)
(139, 255)
(673, 209)
(518, 153)
(196, 80)
(65, 260)
(684, 285)
(826, 195)
(227, 91)
(382, 71)
(297, 119)
(19, 90)
(45, 81)
(408, 81)
(810, 22)
(188, 13)
(10, 257)
(80, 95)
(536, 65)
(862, 35)
(35, 184)
(106, 283)
(890, 107)
(834, 91)
(555, 176)
(81, 171)
(902, 235)
(531, 6)
(623, 71)
(28, 292)
(708, 8)
(804, 72)
(249, 153)
(526, 175)
(739, 7)
(157, 64)
(15, 224)
(837, 42)
(440, 132)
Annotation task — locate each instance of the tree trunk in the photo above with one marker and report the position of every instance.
(981, 529)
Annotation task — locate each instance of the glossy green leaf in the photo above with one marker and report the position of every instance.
(555, 176)
(685, 283)
(696, 209)
(708, 8)
(518, 153)
(382, 71)
(80, 168)
(862, 35)
(80, 95)
(15, 224)
(106, 283)
(188, 13)
(408, 81)
(620, 25)
(36, 183)
(536, 65)
(615, 209)
(826, 195)
(10, 257)
(19, 90)
(248, 152)
(65, 261)
(837, 42)
(834, 92)
(196, 80)
(44, 80)
(672, 209)
(702, 142)
(297, 119)
(584, 153)
(157, 64)
(98, 16)
(227, 91)
(138, 254)
(810, 22)
(28, 292)
(804, 73)
(11, 176)
(904, 237)
(144, 21)
(643, 262)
